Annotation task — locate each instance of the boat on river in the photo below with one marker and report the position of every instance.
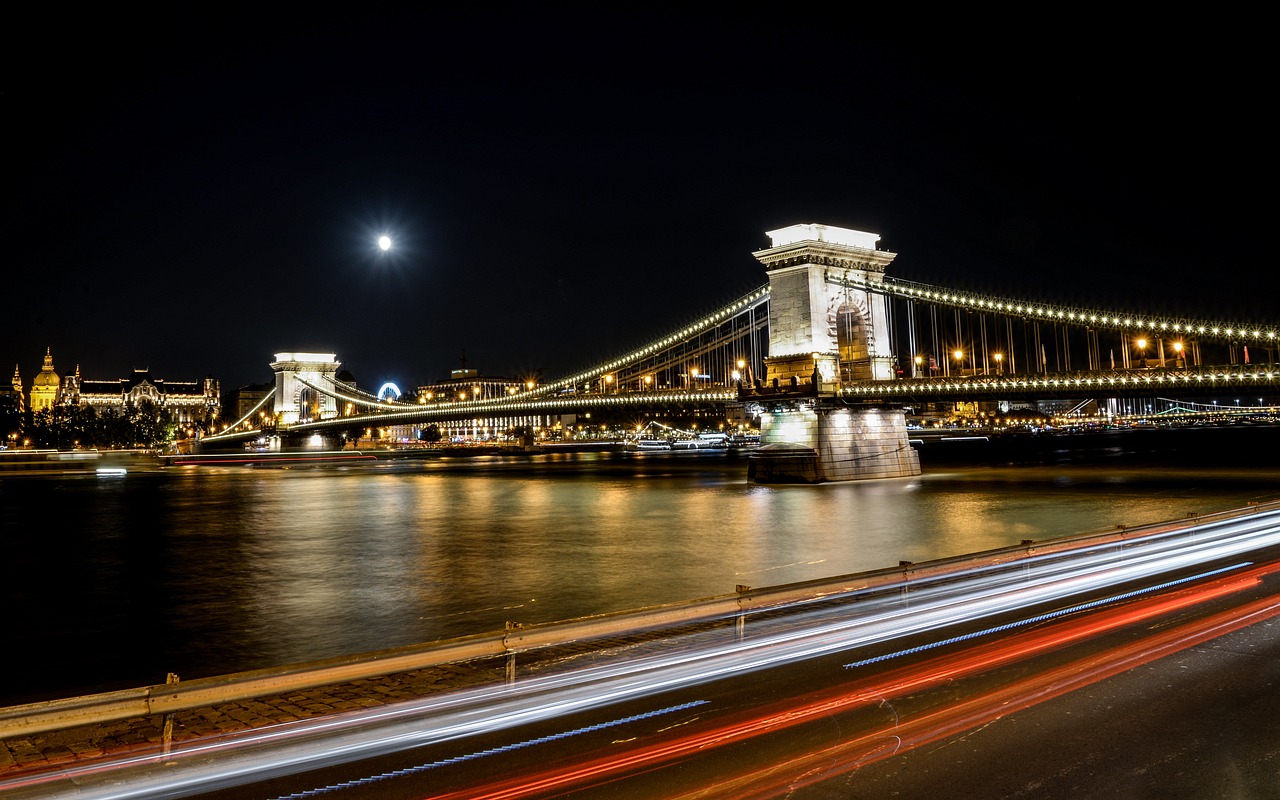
(652, 444)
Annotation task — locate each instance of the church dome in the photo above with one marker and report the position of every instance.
(47, 377)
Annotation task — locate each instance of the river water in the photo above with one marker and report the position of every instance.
(113, 582)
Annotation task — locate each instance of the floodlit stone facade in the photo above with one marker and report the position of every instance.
(186, 401)
(827, 325)
(822, 443)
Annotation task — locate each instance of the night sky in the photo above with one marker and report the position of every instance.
(192, 194)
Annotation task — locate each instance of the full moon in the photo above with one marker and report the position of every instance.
(384, 243)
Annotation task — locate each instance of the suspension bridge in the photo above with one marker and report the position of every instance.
(826, 355)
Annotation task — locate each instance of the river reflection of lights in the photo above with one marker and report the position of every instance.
(692, 660)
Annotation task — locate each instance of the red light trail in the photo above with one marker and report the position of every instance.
(882, 743)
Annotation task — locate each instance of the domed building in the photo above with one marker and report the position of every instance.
(189, 402)
(46, 387)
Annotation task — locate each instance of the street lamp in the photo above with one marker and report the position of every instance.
(384, 243)
(959, 357)
(999, 357)
(919, 365)
(1142, 351)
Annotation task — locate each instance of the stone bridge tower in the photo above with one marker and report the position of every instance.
(295, 400)
(815, 314)
(827, 325)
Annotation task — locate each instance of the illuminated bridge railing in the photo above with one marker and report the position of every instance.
(519, 405)
(236, 429)
(1203, 380)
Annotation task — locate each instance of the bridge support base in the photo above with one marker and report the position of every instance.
(819, 442)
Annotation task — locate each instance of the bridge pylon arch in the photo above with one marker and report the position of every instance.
(814, 316)
(295, 400)
(823, 331)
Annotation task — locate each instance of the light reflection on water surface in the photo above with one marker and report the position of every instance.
(212, 570)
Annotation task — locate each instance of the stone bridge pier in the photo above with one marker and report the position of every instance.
(822, 332)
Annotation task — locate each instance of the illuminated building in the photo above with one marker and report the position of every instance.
(186, 401)
(15, 391)
(465, 387)
(46, 386)
(469, 385)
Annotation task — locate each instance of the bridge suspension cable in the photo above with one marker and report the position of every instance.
(248, 415)
(352, 395)
(668, 351)
(1048, 312)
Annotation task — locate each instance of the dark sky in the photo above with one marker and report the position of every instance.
(193, 194)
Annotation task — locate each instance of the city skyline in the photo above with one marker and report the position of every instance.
(562, 184)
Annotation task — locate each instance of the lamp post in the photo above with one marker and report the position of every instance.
(1142, 352)
(959, 357)
(919, 365)
(999, 357)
